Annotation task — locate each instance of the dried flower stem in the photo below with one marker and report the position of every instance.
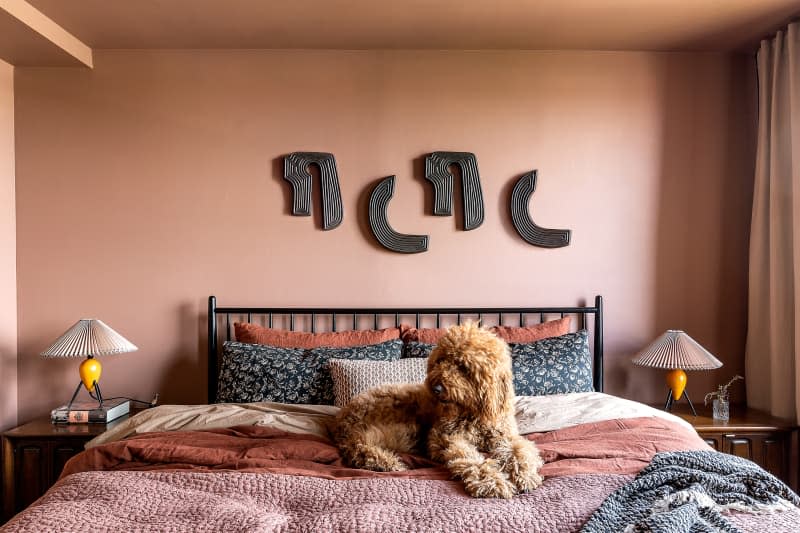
(722, 391)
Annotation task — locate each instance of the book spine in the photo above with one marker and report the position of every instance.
(78, 417)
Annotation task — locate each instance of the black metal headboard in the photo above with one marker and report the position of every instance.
(590, 318)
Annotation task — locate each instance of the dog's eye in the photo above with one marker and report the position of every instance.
(464, 369)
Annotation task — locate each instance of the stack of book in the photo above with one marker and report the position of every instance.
(90, 412)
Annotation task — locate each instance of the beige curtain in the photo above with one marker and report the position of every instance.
(773, 336)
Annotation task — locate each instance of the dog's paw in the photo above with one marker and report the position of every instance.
(526, 481)
(390, 466)
(386, 462)
(489, 482)
(523, 466)
(377, 459)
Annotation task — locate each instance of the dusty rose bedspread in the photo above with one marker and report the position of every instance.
(613, 446)
(259, 479)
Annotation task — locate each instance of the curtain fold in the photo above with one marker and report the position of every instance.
(772, 359)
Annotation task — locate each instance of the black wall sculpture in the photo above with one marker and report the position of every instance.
(436, 172)
(295, 171)
(525, 226)
(379, 222)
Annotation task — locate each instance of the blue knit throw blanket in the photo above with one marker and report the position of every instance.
(688, 492)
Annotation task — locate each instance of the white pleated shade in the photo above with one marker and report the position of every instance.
(89, 336)
(675, 349)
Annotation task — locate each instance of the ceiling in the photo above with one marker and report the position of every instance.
(691, 25)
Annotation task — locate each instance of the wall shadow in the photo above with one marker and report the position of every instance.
(284, 186)
(185, 381)
(703, 212)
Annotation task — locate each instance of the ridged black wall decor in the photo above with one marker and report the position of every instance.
(525, 226)
(436, 172)
(379, 222)
(295, 171)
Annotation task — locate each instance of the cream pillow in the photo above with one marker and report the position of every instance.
(352, 377)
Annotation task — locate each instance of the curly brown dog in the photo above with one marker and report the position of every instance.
(465, 407)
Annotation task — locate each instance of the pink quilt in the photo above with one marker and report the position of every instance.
(251, 478)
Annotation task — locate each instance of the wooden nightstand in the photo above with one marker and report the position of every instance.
(34, 455)
(768, 441)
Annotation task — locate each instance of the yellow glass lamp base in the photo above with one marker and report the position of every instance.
(89, 371)
(676, 380)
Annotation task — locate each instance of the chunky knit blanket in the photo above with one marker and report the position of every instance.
(691, 492)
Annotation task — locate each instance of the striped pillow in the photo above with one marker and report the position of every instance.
(352, 377)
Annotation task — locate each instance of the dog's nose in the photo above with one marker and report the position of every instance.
(437, 389)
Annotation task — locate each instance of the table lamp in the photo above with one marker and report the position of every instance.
(677, 351)
(87, 338)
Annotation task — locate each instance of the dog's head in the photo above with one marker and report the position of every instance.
(469, 370)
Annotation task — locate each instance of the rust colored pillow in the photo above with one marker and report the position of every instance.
(423, 335)
(512, 335)
(537, 332)
(255, 334)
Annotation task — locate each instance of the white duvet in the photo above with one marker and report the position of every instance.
(547, 413)
(533, 413)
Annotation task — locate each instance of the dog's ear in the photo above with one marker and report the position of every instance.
(497, 400)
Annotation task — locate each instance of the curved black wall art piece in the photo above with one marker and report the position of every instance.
(436, 172)
(525, 226)
(379, 222)
(295, 171)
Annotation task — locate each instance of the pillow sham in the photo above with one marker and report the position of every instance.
(535, 332)
(556, 365)
(249, 333)
(415, 350)
(259, 373)
(350, 378)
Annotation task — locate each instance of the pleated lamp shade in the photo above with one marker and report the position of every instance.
(89, 337)
(675, 349)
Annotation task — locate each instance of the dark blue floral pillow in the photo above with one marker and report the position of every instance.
(260, 373)
(555, 365)
(417, 349)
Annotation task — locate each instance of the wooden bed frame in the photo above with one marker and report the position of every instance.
(307, 319)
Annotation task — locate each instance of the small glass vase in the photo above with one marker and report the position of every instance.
(722, 410)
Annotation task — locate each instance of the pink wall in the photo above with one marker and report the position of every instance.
(154, 180)
(8, 253)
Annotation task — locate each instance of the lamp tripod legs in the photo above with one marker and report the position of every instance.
(98, 395)
(671, 400)
(691, 405)
(75, 394)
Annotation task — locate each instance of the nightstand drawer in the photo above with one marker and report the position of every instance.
(34, 454)
(37, 465)
(767, 441)
(771, 451)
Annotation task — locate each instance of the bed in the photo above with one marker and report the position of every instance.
(270, 465)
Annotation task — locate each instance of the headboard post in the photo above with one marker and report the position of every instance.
(212, 348)
(598, 344)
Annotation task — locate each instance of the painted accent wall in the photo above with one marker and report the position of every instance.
(8, 253)
(155, 179)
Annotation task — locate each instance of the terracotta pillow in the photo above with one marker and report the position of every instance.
(255, 334)
(423, 335)
(537, 332)
(512, 335)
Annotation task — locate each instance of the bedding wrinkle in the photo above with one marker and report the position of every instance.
(612, 446)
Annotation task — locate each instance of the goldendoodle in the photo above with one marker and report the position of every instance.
(465, 407)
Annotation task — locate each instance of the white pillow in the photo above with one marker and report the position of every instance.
(352, 377)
